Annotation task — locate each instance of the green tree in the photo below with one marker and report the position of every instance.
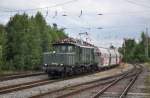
(140, 49)
(56, 33)
(26, 40)
(42, 29)
(134, 52)
(16, 46)
(129, 47)
(34, 53)
(2, 37)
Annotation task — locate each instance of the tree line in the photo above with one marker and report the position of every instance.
(24, 39)
(133, 51)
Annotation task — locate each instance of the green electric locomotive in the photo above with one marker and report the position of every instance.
(70, 57)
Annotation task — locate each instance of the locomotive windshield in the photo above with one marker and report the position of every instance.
(63, 48)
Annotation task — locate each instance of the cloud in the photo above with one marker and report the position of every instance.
(120, 19)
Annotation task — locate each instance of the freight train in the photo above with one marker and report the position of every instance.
(72, 56)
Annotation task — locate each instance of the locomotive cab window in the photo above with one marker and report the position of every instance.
(64, 48)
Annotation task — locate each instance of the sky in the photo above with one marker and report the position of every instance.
(120, 18)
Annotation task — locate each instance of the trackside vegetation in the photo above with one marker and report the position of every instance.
(133, 51)
(24, 39)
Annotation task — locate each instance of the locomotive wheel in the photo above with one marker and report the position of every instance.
(92, 68)
(70, 72)
(76, 71)
(83, 69)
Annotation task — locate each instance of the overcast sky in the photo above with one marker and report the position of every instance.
(121, 18)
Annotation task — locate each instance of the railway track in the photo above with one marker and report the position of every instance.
(88, 85)
(125, 91)
(131, 79)
(22, 75)
(21, 86)
(26, 85)
(104, 83)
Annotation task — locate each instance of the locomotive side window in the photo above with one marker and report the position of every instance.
(63, 48)
(57, 48)
(70, 48)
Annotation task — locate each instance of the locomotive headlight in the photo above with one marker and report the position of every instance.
(61, 64)
(45, 65)
(54, 51)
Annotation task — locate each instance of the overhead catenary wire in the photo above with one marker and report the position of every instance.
(80, 14)
(66, 14)
(47, 13)
(100, 27)
(35, 9)
(3, 9)
(138, 4)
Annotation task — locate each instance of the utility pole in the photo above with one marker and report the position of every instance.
(124, 50)
(146, 43)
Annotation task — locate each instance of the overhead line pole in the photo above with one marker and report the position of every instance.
(147, 42)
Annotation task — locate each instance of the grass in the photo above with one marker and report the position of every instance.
(7, 72)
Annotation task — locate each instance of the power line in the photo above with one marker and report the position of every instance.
(81, 13)
(139, 4)
(24, 10)
(61, 4)
(101, 27)
(146, 43)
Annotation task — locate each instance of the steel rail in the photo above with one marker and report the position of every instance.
(8, 89)
(62, 89)
(90, 87)
(4, 78)
(125, 91)
(108, 86)
(115, 82)
(21, 86)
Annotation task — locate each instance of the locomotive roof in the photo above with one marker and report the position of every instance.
(75, 42)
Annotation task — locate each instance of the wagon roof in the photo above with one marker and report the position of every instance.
(103, 50)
